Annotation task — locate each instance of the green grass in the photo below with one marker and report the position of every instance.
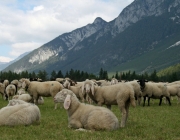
(144, 123)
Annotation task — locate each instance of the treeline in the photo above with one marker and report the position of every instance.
(78, 75)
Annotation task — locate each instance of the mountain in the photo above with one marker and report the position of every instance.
(3, 65)
(145, 36)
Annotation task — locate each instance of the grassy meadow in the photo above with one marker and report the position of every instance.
(144, 123)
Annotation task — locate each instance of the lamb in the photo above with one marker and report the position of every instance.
(121, 94)
(44, 89)
(154, 90)
(24, 97)
(18, 112)
(86, 117)
(10, 91)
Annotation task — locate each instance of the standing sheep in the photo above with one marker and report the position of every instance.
(154, 90)
(2, 89)
(18, 112)
(83, 116)
(44, 89)
(121, 94)
(11, 90)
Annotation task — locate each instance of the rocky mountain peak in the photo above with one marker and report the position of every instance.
(99, 20)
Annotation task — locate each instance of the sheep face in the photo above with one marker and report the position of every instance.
(88, 87)
(66, 84)
(142, 84)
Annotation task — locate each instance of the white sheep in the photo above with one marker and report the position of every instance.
(114, 81)
(18, 112)
(44, 89)
(174, 90)
(11, 90)
(121, 94)
(24, 97)
(40, 100)
(154, 90)
(2, 90)
(21, 91)
(83, 116)
(137, 90)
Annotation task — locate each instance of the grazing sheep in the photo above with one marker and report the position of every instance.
(44, 89)
(60, 80)
(17, 83)
(18, 112)
(24, 97)
(11, 90)
(154, 90)
(6, 82)
(83, 116)
(121, 94)
(40, 100)
(103, 83)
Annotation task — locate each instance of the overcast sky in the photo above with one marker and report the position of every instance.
(28, 24)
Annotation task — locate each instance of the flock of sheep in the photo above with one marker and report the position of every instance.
(78, 99)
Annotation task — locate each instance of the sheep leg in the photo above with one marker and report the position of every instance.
(149, 101)
(160, 100)
(127, 110)
(75, 124)
(109, 107)
(121, 106)
(144, 101)
(167, 98)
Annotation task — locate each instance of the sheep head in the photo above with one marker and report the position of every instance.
(64, 96)
(88, 86)
(142, 84)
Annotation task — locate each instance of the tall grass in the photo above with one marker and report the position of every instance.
(144, 123)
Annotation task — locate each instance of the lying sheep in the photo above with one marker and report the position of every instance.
(18, 112)
(24, 97)
(11, 90)
(83, 116)
(44, 89)
(154, 90)
(121, 94)
(21, 91)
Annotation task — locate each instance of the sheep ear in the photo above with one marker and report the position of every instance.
(67, 102)
(92, 89)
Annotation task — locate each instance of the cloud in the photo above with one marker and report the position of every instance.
(26, 24)
(5, 59)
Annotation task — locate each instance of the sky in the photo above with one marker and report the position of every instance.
(28, 24)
